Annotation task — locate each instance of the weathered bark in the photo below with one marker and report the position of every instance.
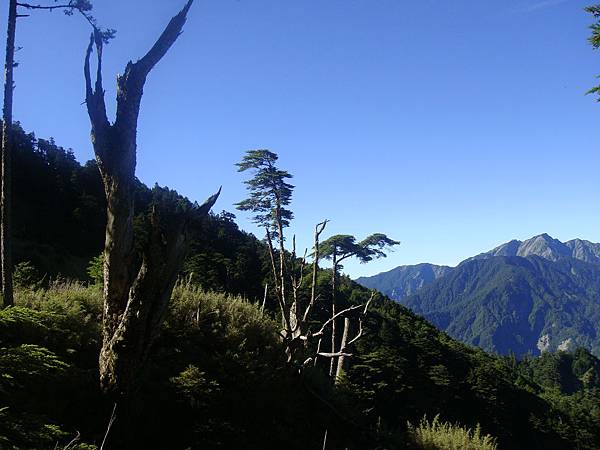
(6, 191)
(137, 288)
(343, 344)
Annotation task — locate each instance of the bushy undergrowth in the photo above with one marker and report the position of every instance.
(438, 435)
(216, 379)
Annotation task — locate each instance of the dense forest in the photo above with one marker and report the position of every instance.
(218, 375)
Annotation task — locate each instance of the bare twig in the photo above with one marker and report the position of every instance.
(368, 303)
(69, 6)
(359, 334)
(110, 424)
(73, 441)
(335, 316)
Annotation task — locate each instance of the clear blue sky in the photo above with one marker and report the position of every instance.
(452, 126)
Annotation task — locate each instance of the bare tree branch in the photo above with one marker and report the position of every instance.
(49, 8)
(73, 441)
(165, 41)
(110, 424)
(335, 316)
(313, 297)
(86, 71)
(334, 354)
(358, 336)
(68, 6)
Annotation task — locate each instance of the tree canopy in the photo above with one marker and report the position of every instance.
(269, 191)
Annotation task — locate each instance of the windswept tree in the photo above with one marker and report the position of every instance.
(269, 196)
(139, 271)
(339, 248)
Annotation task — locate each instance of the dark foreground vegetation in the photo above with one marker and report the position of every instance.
(218, 377)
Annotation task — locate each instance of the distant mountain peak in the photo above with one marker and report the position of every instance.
(526, 296)
(407, 280)
(547, 247)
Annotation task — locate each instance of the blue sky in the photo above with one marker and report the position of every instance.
(452, 126)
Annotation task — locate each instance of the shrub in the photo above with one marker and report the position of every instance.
(25, 274)
(95, 269)
(437, 435)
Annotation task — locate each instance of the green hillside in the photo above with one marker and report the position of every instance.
(515, 304)
(218, 378)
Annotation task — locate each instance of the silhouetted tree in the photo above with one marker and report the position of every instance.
(138, 276)
(270, 194)
(5, 196)
(83, 7)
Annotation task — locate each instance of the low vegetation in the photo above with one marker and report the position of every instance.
(218, 379)
(438, 435)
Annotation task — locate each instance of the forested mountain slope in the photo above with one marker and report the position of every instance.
(514, 304)
(521, 297)
(404, 280)
(218, 378)
(60, 214)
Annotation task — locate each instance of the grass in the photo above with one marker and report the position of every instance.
(438, 435)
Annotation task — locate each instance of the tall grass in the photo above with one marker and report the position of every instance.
(438, 435)
(64, 297)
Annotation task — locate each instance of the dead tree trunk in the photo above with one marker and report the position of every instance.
(347, 343)
(5, 197)
(137, 288)
(343, 344)
(333, 311)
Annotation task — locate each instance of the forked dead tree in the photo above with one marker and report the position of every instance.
(297, 336)
(269, 196)
(137, 284)
(339, 248)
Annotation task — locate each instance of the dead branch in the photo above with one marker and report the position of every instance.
(319, 228)
(334, 317)
(110, 424)
(73, 441)
(334, 354)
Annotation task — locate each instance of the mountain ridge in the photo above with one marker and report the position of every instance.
(522, 297)
(547, 247)
(405, 280)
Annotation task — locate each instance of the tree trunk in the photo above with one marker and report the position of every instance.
(6, 195)
(137, 288)
(333, 310)
(342, 357)
(281, 256)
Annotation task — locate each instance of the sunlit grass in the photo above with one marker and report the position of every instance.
(438, 435)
